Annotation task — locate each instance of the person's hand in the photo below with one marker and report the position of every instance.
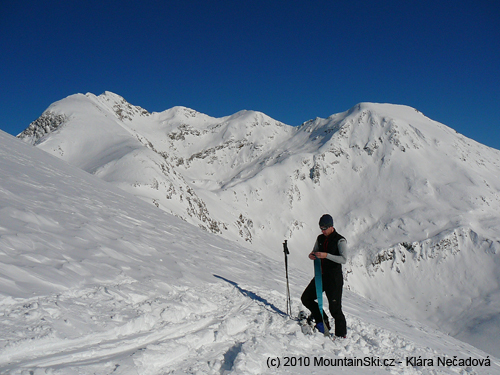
(320, 255)
(312, 256)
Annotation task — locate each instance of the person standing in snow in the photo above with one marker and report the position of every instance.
(331, 248)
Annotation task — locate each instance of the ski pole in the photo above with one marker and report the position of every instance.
(288, 300)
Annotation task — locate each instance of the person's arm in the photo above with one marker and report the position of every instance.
(315, 249)
(342, 258)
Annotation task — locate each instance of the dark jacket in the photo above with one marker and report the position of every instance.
(330, 245)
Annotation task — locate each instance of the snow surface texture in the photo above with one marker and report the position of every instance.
(93, 281)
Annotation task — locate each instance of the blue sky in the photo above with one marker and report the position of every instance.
(293, 60)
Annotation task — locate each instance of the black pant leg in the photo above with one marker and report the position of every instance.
(309, 300)
(333, 288)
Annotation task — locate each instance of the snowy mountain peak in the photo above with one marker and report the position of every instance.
(180, 111)
(398, 110)
(182, 116)
(78, 107)
(119, 106)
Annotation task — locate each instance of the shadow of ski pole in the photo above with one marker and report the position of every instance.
(253, 296)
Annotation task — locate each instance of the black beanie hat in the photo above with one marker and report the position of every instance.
(326, 221)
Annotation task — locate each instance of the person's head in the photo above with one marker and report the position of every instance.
(326, 224)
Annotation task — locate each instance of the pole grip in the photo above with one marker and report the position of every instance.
(285, 248)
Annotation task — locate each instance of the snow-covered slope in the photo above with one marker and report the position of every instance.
(95, 281)
(417, 202)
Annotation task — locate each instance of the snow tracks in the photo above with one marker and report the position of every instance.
(216, 328)
(124, 329)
